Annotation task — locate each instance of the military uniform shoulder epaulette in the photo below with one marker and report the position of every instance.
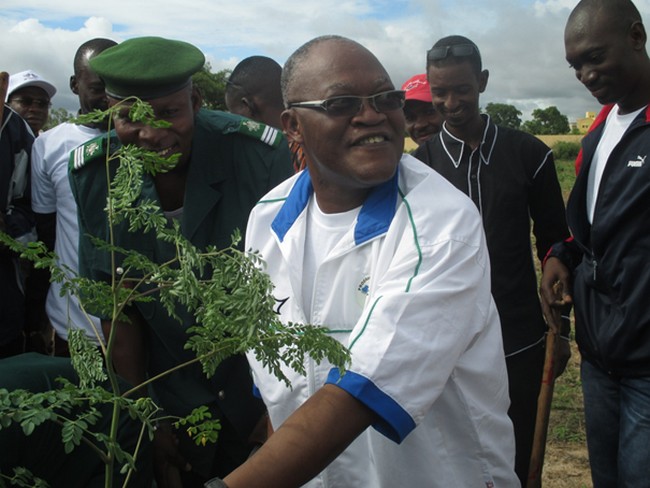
(92, 150)
(229, 123)
(257, 130)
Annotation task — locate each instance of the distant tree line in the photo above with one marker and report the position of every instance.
(544, 120)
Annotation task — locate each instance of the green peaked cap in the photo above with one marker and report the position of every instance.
(147, 67)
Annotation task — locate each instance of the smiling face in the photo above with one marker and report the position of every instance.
(346, 155)
(90, 89)
(422, 120)
(455, 90)
(178, 109)
(606, 57)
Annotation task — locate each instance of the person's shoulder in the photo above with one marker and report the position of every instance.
(92, 151)
(510, 135)
(271, 202)
(417, 177)
(58, 129)
(16, 126)
(435, 205)
(428, 150)
(57, 132)
(236, 125)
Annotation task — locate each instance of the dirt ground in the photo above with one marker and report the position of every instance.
(566, 466)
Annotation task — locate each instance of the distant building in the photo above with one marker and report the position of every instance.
(582, 125)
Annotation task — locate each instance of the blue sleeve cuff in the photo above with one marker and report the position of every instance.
(394, 422)
(256, 391)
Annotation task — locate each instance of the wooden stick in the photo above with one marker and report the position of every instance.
(544, 403)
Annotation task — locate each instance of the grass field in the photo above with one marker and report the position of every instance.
(566, 463)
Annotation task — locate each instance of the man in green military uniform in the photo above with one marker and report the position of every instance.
(226, 163)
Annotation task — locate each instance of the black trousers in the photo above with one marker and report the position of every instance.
(524, 382)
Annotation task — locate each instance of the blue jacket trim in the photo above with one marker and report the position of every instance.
(374, 218)
(293, 205)
(395, 423)
(377, 212)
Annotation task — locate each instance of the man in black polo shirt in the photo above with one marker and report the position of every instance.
(510, 176)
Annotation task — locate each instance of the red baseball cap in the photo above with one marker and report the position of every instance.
(417, 88)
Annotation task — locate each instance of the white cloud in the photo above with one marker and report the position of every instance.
(521, 40)
(553, 6)
(29, 44)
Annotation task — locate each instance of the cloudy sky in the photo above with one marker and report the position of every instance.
(521, 40)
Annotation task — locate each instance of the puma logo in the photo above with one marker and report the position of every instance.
(640, 161)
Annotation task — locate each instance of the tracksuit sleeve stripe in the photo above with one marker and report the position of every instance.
(394, 422)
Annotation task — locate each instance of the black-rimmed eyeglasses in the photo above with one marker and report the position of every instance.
(28, 102)
(350, 105)
(457, 50)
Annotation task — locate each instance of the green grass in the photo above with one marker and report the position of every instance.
(566, 422)
(567, 419)
(566, 174)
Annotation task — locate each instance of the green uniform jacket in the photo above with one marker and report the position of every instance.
(230, 170)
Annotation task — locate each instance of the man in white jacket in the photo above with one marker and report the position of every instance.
(381, 250)
(52, 200)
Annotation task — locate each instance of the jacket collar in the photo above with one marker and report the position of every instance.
(455, 147)
(600, 121)
(374, 218)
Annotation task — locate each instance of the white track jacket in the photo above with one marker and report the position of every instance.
(407, 290)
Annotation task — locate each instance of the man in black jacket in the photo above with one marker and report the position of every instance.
(609, 217)
(16, 219)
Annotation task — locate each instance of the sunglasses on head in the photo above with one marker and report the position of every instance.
(350, 105)
(458, 50)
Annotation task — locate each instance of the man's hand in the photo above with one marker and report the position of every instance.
(554, 287)
(556, 304)
(168, 460)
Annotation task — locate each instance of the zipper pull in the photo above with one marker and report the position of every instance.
(594, 264)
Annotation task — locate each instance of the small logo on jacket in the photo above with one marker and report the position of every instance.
(639, 162)
(363, 286)
(363, 290)
(279, 302)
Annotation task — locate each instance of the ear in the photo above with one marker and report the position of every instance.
(483, 80)
(74, 85)
(291, 126)
(196, 98)
(249, 107)
(638, 36)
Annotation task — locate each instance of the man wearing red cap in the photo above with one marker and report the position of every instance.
(422, 119)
